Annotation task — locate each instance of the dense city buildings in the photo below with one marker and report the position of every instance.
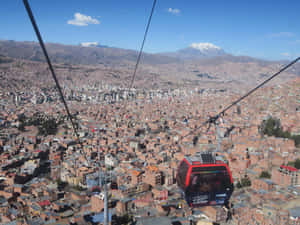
(133, 141)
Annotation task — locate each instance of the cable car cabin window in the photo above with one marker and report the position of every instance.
(182, 172)
(209, 179)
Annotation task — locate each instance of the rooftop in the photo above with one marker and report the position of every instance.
(289, 168)
(201, 158)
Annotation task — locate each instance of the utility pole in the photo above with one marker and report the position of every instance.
(105, 202)
(218, 136)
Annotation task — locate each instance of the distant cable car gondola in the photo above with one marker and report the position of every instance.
(204, 180)
(96, 189)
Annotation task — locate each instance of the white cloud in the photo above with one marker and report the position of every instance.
(174, 11)
(204, 46)
(82, 20)
(281, 35)
(286, 54)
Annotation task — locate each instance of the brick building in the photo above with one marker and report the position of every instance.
(264, 184)
(285, 176)
(153, 176)
(97, 203)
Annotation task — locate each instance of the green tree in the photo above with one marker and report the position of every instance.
(265, 174)
(245, 182)
(48, 127)
(271, 127)
(297, 164)
(296, 139)
(238, 185)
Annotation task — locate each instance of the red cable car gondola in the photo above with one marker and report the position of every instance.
(204, 180)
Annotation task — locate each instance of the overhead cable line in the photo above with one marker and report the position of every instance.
(213, 119)
(37, 32)
(257, 87)
(142, 46)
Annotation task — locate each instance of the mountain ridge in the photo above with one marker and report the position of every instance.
(197, 51)
(76, 54)
(115, 66)
(101, 54)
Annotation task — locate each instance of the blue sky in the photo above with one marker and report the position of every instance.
(267, 29)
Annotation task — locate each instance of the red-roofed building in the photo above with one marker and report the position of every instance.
(288, 168)
(285, 176)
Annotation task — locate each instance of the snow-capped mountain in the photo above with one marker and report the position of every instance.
(197, 51)
(89, 44)
(207, 48)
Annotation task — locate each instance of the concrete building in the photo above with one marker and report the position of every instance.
(285, 176)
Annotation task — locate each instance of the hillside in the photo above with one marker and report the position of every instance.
(115, 66)
(76, 54)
